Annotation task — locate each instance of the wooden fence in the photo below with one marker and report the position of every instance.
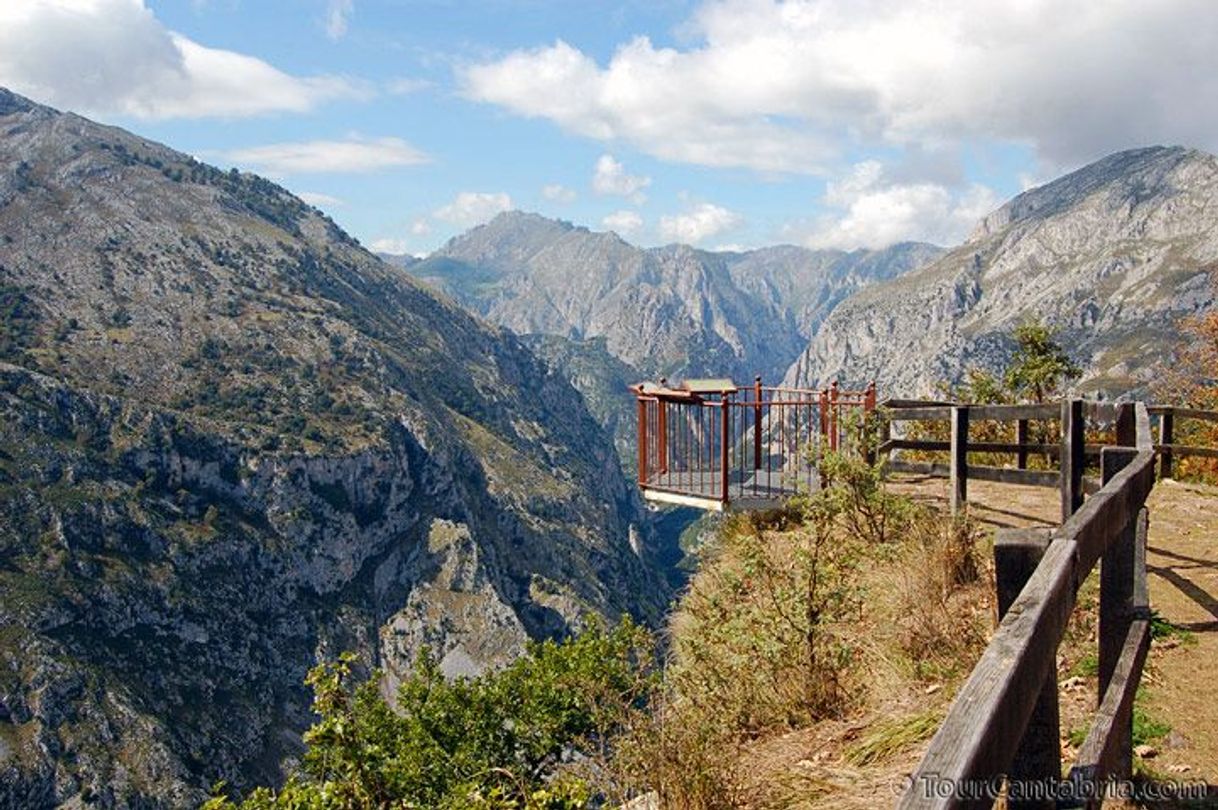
(1072, 455)
(1005, 720)
(1169, 417)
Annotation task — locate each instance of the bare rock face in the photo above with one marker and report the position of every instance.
(233, 442)
(1112, 256)
(673, 310)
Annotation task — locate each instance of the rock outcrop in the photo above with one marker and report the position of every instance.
(233, 442)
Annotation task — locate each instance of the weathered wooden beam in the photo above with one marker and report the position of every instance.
(894, 403)
(1110, 510)
(931, 445)
(1116, 595)
(1021, 439)
(1126, 425)
(1102, 754)
(1166, 439)
(1189, 413)
(1072, 458)
(1173, 450)
(1038, 758)
(929, 413)
(1102, 411)
(1011, 413)
(958, 491)
(1011, 475)
(931, 468)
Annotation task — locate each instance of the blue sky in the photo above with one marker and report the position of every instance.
(734, 123)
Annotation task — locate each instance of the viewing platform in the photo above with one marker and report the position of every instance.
(710, 444)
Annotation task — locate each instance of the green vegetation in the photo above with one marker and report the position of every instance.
(1189, 378)
(1161, 629)
(515, 738)
(1040, 366)
(19, 321)
(769, 638)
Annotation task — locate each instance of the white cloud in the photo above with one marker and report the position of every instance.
(355, 154)
(785, 85)
(611, 177)
(113, 57)
(558, 193)
(699, 222)
(624, 222)
(869, 211)
(420, 227)
(471, 208)
(338, 15)
(406, 85)
(389, 245)
(316, 198)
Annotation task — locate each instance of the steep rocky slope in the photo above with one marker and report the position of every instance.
(673, 310)
(1111, 255)
(233, 441)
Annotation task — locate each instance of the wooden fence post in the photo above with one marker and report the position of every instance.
(1126, 426)
(1117, 572)
(959, 469)
(1038, 759)
(1021, 438)
(1166, 431)
(1072, 458)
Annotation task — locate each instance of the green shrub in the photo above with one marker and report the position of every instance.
(505, 739)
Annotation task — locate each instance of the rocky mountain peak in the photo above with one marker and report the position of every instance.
(1112, 256)
(11, 102)
(1124, 179)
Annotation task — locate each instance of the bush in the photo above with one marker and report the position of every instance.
(767, 637)
(506, 739)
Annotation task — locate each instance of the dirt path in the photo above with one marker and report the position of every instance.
(1181, 683)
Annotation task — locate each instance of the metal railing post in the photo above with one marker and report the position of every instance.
(757, 422)
(642, 442)
(725, 441)
(833, 408)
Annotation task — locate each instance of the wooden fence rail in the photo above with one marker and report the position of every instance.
(1072, 454)
(1168, 450)
(1004, 722)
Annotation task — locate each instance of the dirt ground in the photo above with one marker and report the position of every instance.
(1180, 686)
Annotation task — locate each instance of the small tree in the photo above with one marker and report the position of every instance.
(1040, 365)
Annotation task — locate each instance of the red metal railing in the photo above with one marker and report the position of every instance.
(713, 441)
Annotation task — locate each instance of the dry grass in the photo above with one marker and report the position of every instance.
(784, 697)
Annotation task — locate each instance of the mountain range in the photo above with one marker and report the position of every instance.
(1112, 256)
(233, 442)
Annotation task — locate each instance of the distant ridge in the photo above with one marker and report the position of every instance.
(673, 310)
(1111, 255)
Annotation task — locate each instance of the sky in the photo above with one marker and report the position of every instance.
(727, 124)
